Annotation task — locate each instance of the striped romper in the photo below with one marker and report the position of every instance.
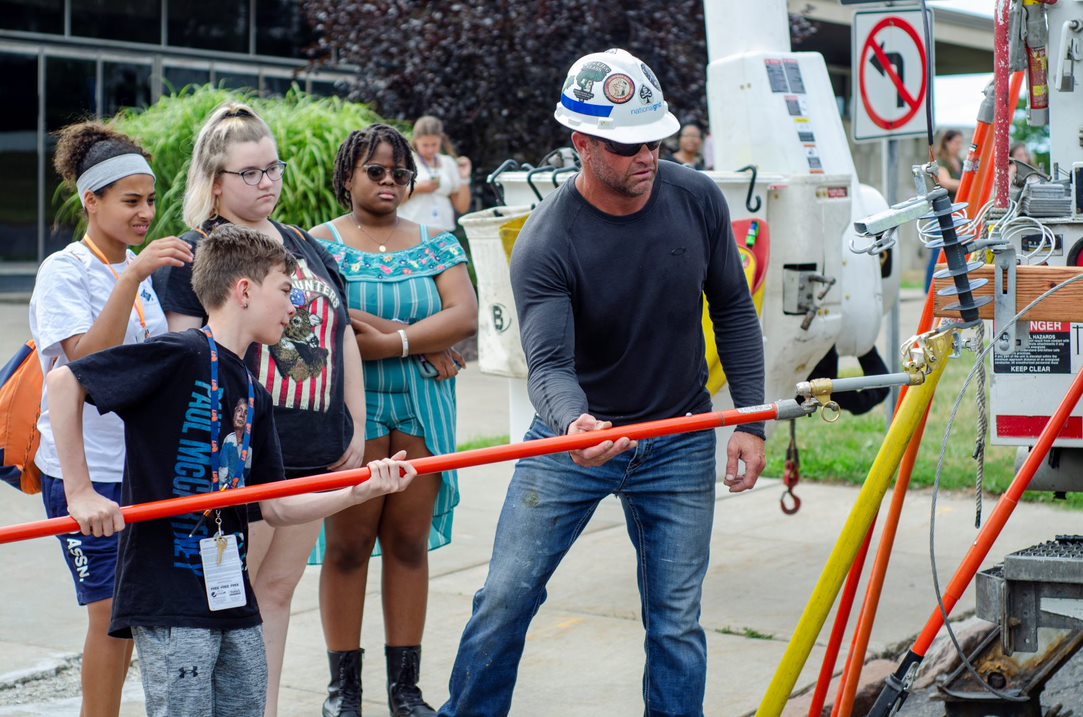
(401, 286)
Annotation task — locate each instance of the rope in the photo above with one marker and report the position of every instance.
(983, 421)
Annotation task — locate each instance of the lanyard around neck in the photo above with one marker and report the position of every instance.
(235, 478)
(138, 302)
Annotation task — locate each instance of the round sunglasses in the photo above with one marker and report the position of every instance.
(377, 172)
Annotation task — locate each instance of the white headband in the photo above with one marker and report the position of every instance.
(105, 173)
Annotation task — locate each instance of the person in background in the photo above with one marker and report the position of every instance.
(690, 147)
(91, 295)
(1020, 153)
(442, 186)
(313, 374)
(949, 156)
(410, 301)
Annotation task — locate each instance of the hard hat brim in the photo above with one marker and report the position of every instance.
(661, 128)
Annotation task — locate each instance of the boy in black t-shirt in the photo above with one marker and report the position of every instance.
(181, 588)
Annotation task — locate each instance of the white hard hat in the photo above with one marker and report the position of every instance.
(614, 95)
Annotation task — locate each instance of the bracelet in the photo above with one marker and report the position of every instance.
(405, 343)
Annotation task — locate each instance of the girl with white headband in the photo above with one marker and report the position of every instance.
(91, 295)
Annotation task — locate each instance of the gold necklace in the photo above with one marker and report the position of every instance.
(382, 246)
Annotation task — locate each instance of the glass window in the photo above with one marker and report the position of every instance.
(281, 29)
(278, 86)
(125, 85)
(19, 158)
(220, 25)
(70, 90)
(130, 20)
(175, 79)
(327, 88)
(33, 15)
(236, 80)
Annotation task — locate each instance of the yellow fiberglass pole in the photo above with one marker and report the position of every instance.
(857, 526)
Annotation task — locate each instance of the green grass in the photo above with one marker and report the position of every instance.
(483, 442)
(843, 452)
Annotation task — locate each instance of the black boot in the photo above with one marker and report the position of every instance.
(344, 690)
(403, 694)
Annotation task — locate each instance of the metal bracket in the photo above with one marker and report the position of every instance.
(809, 300)
(1011, 336)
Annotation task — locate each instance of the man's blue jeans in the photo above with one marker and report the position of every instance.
(667, 488)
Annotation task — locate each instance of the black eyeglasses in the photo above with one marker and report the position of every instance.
(628, 150)
(253, 177)
(399, 176)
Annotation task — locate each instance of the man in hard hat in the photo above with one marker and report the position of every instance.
(609, 276)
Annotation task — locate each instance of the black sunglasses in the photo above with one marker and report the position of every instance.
(628, 150)
(399, 176)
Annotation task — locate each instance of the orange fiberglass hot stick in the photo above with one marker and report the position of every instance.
(780, 410)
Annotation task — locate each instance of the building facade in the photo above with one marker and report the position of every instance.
(66, 60)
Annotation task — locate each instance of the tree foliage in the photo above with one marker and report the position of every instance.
(308, 131)
(492, 69)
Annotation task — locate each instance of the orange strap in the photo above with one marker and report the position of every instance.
(138, 302)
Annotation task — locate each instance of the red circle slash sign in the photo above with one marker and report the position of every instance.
(913, 104)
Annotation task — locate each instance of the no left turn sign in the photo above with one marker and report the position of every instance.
(890, 74)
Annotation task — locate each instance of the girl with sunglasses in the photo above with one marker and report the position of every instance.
(410, 301)
(442, 188)
(92, 295)
(313, 374)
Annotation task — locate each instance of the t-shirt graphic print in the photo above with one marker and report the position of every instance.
(298, 370)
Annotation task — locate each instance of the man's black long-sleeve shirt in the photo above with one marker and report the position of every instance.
(610, 307)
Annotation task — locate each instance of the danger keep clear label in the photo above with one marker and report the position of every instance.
(1049, 351)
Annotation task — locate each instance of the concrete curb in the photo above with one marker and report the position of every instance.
(45, 669)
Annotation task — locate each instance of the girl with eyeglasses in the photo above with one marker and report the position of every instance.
(410, 301)
(313, 374)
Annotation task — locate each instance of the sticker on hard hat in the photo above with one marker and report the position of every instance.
(650, 76)
(619, 88)
(586, 109)
(649, 108)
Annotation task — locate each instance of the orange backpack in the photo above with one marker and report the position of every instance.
(20, 406)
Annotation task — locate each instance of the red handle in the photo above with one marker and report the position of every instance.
(432, 464)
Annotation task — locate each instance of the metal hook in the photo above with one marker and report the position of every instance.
(795, 502)
(751, 189)
(530, 178)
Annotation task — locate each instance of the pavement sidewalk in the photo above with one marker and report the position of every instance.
(584, 652)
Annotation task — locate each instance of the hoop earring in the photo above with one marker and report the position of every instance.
(214, 213)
